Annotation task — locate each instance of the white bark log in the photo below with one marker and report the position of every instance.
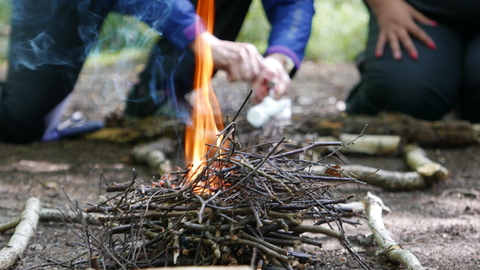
(417, 160)
(24, 230)
(366, 144)
(359, 207)
(153, 154)
(393, 251)
(390, 180)
(55, 215)
(371, 144)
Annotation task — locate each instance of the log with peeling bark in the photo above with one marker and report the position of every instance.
(359, 207)
(155, 154)
(394, 251)
(433, 133)
(371, 144)
(426, 172)
(24, 230)
(430, 171)
(55, 215)
(389, 180)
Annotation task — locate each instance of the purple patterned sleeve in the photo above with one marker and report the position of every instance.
(291, 22)
(176, 20)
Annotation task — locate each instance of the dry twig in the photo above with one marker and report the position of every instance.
(25, 229)
(374, 207)
(430, 171)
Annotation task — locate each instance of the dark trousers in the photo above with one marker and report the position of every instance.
(49, 43)
(437, 81)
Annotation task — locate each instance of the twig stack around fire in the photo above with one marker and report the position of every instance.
(238, 208)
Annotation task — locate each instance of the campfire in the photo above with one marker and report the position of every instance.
(230, 206)
(239, 208)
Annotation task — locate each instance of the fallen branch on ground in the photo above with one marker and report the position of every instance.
(55, 215)
(389, 180)
(430, 171)
(154, 154)
(359, 207)
(25, 229)
(371, 144)
(451, 133)
(389, 247)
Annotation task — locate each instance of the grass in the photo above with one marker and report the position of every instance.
(338, 34)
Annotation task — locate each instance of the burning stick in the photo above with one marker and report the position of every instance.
(25, 229)
(389, 247)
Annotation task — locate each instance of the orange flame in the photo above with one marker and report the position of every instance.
(206, 115)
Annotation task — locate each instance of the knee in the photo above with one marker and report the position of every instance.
(419, 97)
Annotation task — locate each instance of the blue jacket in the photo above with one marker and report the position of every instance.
(291, 22)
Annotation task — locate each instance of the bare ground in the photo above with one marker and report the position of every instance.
(440, 224)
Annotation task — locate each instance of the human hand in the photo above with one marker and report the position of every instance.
(274, 72)
(241, 61)
(397, 23)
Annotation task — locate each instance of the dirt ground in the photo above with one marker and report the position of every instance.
(441, 224)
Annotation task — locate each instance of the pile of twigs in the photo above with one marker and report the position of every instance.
(239, 207)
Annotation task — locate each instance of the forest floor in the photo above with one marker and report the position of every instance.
(441, 224)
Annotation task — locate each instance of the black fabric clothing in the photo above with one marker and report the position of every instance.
(41, 77)
(438, 80)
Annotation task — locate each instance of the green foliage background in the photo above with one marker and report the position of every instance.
(338, 35)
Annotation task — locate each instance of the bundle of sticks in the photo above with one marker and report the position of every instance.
(238, 207)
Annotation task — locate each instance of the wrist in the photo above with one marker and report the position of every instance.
(284, 60)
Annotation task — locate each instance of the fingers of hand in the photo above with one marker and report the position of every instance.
(274, 71)
(407, 43)
(382, 40)
(394, 45)
(421, 35)
(419, 17)
(245, 63)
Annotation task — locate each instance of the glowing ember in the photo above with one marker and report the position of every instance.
(206, 115)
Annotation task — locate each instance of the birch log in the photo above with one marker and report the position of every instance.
(371, 144)
(154, 154)
(24, 230)
(389, 180)
(451, 133)
(417, 159)
(374, 207)
(55, 215)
